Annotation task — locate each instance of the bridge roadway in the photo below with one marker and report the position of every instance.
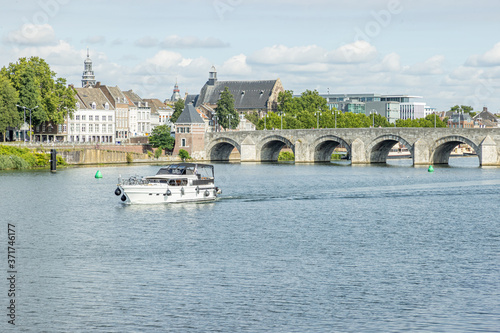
(364, 145)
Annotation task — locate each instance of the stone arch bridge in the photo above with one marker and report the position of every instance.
(364, 145)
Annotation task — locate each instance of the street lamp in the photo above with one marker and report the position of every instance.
(335, 113)
(24, 108)
(265, 121)
(434, 119)
(281, 113)
(229, 117)
(373, 111)
(317, 114)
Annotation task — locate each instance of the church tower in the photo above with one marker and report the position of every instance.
(176, 95)
(88, 77)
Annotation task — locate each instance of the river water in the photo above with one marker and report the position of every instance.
(288, 248)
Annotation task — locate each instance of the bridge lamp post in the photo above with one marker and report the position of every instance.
(334, 112)
(317, 114)
(434, 119)
(229, 117)
(281, 113)
(373, 111)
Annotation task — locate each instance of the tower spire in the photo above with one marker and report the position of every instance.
(88, 77)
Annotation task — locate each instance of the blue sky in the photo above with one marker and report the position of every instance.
(446, 51)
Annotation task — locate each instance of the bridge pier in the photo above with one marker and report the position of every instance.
(248, 150)
(488, 153)
(421, 153)
(358, 152)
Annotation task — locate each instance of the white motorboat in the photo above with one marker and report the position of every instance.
(181, 182)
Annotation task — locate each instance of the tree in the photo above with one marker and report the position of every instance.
(464, 108)
(9, 115)
(37, 85)
(161, 138)
(226, 114)
(178, 108)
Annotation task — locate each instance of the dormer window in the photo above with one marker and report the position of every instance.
(94, 106)
(106, 106)
(77, 105)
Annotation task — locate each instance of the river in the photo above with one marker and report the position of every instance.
(287, 248)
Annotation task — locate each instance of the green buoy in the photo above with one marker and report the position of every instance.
(98, 174)
(431, 169)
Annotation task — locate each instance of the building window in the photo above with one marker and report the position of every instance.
(91, 118)
(83, 128)
(110, 118)
(97, 128)
(78, 128)
(72, 128)
(91, 128)
(96, 118)
(77, 105)
(183, 142)
(94, 106)
(103, 128)
(187, 129)
(77, 117)
(83, 117)
(106, 106)
(110, 128)
(59, 128)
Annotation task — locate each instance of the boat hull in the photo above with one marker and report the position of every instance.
(150, 194)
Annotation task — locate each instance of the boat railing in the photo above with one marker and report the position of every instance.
(135, 180)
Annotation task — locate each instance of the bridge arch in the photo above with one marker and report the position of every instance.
(325, 145)
(220, 149)
(443, 147)
(379, 148)
(269, 147)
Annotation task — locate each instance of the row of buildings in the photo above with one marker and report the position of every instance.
(108, 114)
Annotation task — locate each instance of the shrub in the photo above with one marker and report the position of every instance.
(130, 158)
(150, 154)
(6, 162)
(42, 159)
(19, 163)
(286, 156)
(184, 154)
(336, 157)
(157, 153)
(61, 161)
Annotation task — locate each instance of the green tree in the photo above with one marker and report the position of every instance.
(161, 138)
(184, 155)
(9, 115)
(178, 108)
(37, 85)
(226, 114)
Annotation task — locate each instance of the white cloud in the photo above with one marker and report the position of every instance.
(357, 52)
(175, 41)
(31, 34)
(390, 63)
(489, 58)
(431, 66)
(281, 54)
(236, 65)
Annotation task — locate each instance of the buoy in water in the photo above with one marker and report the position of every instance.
(98, 174)
(431, 169)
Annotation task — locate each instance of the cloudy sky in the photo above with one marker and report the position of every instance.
(447, 51)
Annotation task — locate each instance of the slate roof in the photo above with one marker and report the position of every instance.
(191, 99)
(134, 98)
(247, 94)
(93, 95)
(189, 116)
(155, 104)
(486, 115)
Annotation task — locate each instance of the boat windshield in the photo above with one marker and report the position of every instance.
(201, 170)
